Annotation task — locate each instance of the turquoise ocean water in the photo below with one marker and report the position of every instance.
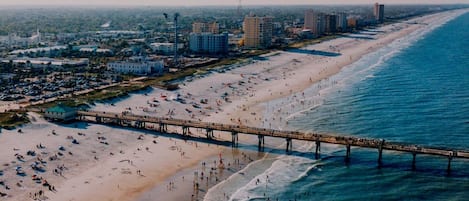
(414, 90)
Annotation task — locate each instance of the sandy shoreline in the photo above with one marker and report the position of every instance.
(117, 164)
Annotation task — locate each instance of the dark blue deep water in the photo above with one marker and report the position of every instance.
(419, 95)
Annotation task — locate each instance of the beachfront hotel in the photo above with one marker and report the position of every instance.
(257, 32)
(341, 21)
(137, 68)
(209, 43)
(378, 12)
(316, 22)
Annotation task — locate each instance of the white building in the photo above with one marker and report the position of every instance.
(95, 50)
(138, 68)
(47, 62)
(209, 43)
(40, 49)
(15, 40)
(165, 48)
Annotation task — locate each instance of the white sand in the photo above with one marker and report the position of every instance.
(280, 74)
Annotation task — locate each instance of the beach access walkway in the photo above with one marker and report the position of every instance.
(160, 124)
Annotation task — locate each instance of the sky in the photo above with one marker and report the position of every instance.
(219, 2)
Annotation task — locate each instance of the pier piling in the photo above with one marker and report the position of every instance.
(185, 130)
(380, 154)
(261, 142)
(234, 139)
(209, 133)
(318, 148)
(163, 127)
(347, 155)
(289, 145)
(414, 155)
(450, 158)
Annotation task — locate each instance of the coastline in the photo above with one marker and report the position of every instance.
(275, 115)
(108, 178)
(257, 101)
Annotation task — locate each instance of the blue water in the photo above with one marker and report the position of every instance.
(419, 95)
(415, 90)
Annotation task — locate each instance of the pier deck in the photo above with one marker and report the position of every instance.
(234, 130)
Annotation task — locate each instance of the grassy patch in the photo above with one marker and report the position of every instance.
(10, 120)
(312, 41)
(94, 96)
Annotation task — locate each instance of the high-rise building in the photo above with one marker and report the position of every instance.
(341, 22)
(322, 23)
(381, 13)
(331, 23)
(378, 12)
(257, 32)
(310, 19)
(316, 22)
(199, 27)
(209, 43)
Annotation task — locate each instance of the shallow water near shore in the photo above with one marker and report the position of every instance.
(413, 90)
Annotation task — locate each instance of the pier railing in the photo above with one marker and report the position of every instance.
(127, 119)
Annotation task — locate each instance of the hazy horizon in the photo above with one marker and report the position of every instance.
(217, 2)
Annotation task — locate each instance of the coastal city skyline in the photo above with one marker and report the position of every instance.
(149, 100)
(221, 3)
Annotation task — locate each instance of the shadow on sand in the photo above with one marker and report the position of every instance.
(315, 52)
(358, 37)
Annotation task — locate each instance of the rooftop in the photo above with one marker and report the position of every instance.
(60, 108)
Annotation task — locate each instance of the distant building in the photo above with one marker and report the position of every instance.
(136, 67)
(341, 22)
(331, 23)
(199, 27)
(209, 43)
(257, 32)
(47, 62)
(165, 48)
(60, 112)
(95, 50)
(39, 50)
(14, 40)
(352, 22)
(311, 20)
(315, 22)
(235, 40)
(322, 23)
(91, 49)
(306, 33)
(378, 12)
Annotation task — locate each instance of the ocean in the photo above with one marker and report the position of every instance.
(414, 90)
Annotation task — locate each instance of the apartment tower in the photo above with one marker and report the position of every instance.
(378, 12)
(257, 32)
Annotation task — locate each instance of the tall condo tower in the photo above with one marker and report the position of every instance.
(378, 12)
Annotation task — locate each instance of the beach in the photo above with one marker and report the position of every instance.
(94, 162)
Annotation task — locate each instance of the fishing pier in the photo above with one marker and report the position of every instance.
(161, 124)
